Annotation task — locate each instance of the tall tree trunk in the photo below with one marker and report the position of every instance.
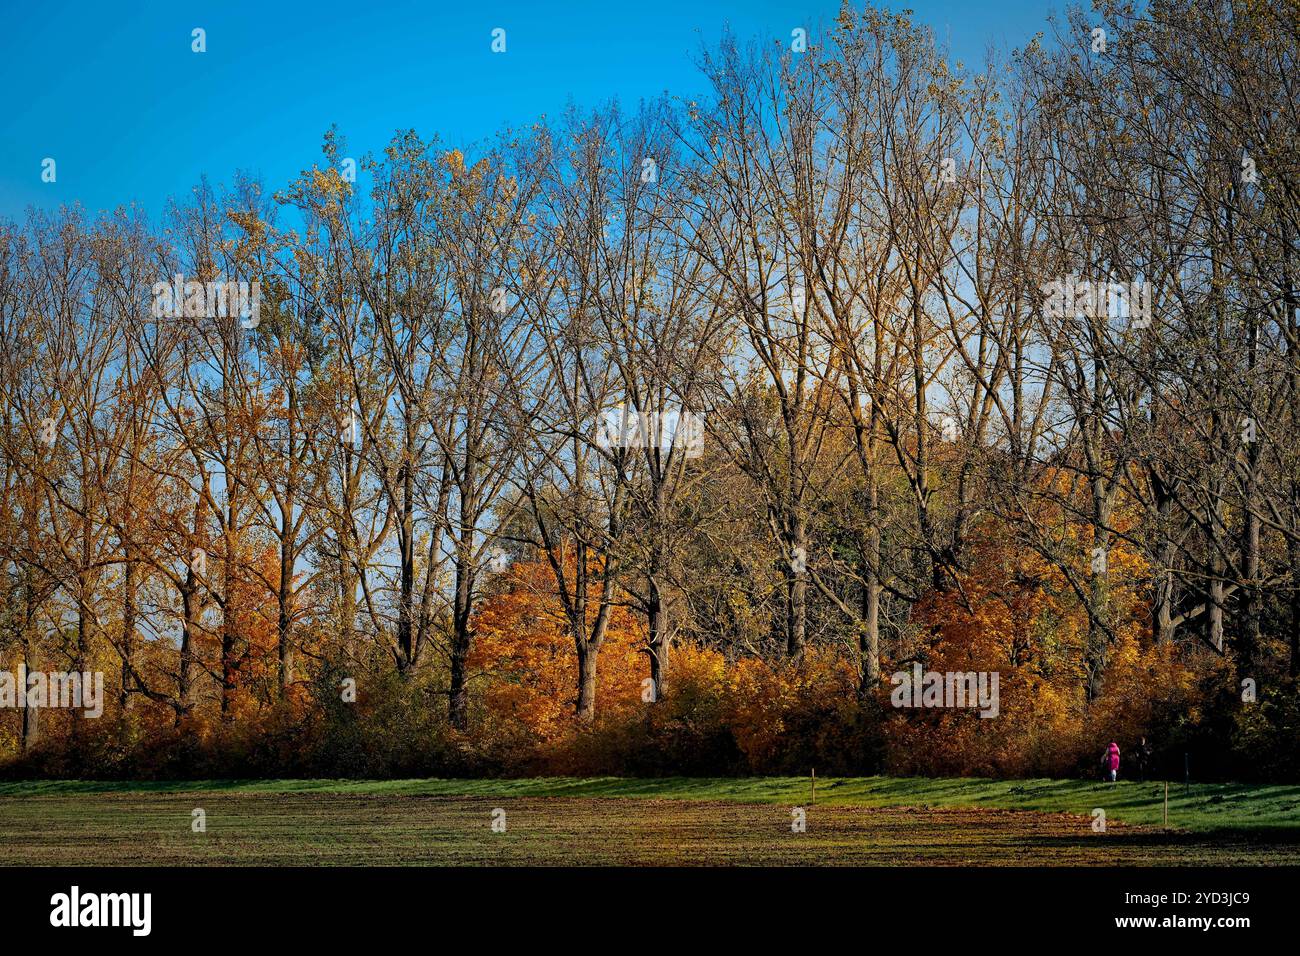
(1293, 663)
(288, 548)
(1162, 610)
(1214, 618)
(462, 639)
(869, 636)
(347, 596)
(1248, 636)
(284, 619)
(189, 626)
(658, 635)
(129, 598)
(587, 654)
(405, 624)
(228, 635)
(83, 654)
(588, 638)
(30, 732)
(797, 601)
(1098, 648)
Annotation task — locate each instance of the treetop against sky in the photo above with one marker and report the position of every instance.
(133, 114)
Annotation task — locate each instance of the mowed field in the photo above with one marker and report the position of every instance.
(855, 822)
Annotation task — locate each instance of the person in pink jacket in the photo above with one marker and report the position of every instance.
(1110, 762)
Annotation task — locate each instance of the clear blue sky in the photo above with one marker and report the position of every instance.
(112, 91)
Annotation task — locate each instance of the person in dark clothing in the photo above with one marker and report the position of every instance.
(1143, 759)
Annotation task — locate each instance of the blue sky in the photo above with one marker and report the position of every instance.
(113, 92)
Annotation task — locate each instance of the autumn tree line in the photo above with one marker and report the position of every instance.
(656, 440)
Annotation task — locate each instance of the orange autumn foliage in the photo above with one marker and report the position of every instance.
(1016, 614)
(523, 664)
(769, 702)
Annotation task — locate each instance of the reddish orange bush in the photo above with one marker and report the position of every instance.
(523, 665)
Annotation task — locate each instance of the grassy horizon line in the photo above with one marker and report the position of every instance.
(1200, 807)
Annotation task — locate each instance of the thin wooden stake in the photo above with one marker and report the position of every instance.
(814, 786)
(1166, 803)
